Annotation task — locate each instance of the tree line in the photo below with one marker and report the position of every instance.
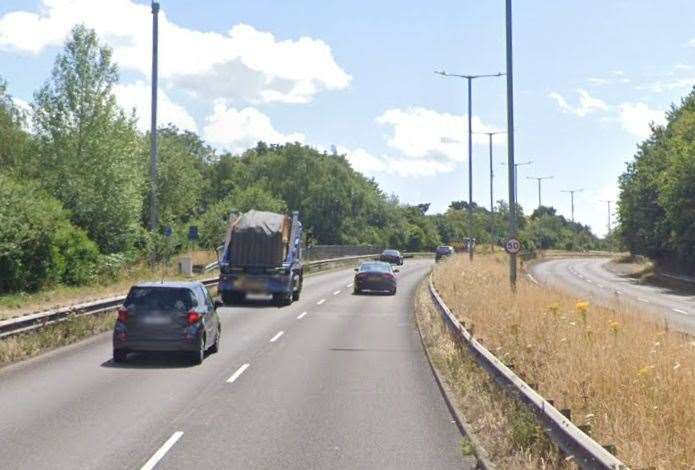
(74, 193)
(657, 191)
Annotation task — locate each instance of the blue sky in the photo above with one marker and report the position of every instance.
(589, 76)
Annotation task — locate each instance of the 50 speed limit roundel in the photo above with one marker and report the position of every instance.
(513, 246)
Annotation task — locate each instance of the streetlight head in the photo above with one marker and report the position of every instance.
(442, 73)
(155, 6)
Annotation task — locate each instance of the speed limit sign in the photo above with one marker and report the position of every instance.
(513, 246)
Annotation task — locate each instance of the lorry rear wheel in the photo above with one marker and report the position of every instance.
(233, 298)
(282, 300)
(227, 298)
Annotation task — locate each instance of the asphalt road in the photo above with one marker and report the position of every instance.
(587, 277)
(345, 385)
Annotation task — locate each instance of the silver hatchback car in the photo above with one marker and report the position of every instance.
(169, 316)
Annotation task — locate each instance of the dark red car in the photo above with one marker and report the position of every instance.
(375, 276)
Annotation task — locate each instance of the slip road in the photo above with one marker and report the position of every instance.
(589, 278)
(344, 385)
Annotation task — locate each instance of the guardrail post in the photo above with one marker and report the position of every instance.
(567, 413)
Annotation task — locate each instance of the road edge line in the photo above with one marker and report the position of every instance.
(463, 426)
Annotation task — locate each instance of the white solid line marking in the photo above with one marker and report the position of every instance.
(320, 301)
(301, 315)
(350, 285)
(532, 278)
(618, 292)
(277, 336)
(336, 292)
(154, 460)
(680, 311)
(589, 281)
(643, 300)
(236, 374)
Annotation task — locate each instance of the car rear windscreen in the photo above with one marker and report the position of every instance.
(376, 267)
(160, 298)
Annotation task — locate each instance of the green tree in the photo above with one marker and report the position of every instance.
(38, 244)
(181, 171)
(13, 139)
(88, 148)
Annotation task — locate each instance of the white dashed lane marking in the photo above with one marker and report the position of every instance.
(277, 336)
(301, 315)
(320, 301)
(336, 292)
(159, 455)
(238, 373)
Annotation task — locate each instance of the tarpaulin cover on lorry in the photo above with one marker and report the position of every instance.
(259, 239)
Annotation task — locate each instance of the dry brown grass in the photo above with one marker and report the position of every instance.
(13, 305)
(632, 380)
(23, 346)
(506, 430)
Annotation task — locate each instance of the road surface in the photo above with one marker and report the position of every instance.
(587, 277)
(344, 385)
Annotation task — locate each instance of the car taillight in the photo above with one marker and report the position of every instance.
(389, 277)
(193, 317)
(122, 314)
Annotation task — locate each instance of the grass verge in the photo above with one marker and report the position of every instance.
(630, 379)
(506, 430)
(26, 345)
(18, 304)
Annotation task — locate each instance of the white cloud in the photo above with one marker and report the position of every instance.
(661, 86)
(243, 63)
(587, 103)
(424, 133)
(138, 95)
(368, 164)
(237, 130)
(614, 77)
(691, 43)
(635, 118)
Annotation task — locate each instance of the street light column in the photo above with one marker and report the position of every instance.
(154, 203)
(470, 169)
(510, 140)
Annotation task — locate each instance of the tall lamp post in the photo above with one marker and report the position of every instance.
(154, 203)
(572, 191)
(515, 179)
(470, 79)
(492, 192)
(540, 180)
(609, 213)
(510, 139)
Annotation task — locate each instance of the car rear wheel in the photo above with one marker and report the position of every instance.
(198, 356)
(216, 345)
(119, 355)
(393, 292)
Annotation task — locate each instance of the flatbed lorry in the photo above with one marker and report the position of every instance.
(262, 254)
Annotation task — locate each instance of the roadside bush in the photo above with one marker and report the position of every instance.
(75, 256)
(38, 244)
(111, 265)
